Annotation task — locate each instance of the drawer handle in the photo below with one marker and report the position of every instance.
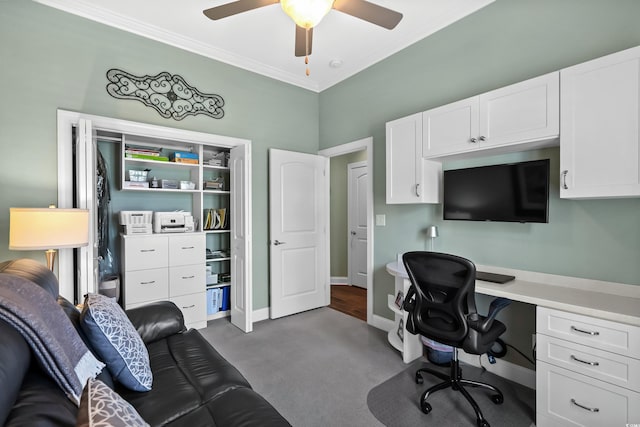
(190, 306)
(147, 250)
(584, 361)
(582, 331)
(187, 247)
(188, 277)
(148, 283)
(584, 407)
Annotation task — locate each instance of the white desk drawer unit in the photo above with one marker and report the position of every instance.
(167, 267)
(588, 370)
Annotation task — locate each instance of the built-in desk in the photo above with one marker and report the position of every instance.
(588, 351)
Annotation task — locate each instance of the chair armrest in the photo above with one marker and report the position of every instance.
(483, 323)
(156, 320)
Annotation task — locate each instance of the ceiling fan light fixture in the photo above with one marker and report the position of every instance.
(306, 13)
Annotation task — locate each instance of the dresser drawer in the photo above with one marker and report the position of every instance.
(610, 367)
(194, 307)
(146, 252)
(187, 279)
(602, 334)
(566, 398)
(146, 285)
(187, 249)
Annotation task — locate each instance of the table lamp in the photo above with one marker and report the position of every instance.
(432, 233)
(48, 229)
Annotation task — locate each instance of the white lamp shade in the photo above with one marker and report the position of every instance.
(432, 231)
(47, 228)
(306, 13)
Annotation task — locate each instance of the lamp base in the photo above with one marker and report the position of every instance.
(51, 258)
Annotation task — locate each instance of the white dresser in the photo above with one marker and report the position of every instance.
(160, 267)
(588, 370)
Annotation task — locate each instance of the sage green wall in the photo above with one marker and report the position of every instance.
(339, 219)
(503, 43)
(50, 59)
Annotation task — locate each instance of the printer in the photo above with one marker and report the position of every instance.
(172, 222)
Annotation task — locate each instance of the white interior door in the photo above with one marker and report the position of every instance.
(241, 297)
(87, 256)
(297, 227)
(357, 249)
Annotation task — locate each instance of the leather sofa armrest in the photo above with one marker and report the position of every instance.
(157, 320)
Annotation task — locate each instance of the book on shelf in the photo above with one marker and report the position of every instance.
(186, 161)
(146, 157)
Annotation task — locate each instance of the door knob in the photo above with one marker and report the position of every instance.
(278, 242)
(353, 233)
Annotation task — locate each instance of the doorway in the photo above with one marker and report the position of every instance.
(352, 300)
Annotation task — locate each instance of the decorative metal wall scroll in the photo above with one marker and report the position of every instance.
(169, 94)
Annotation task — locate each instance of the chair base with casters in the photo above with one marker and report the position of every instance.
(457, 383)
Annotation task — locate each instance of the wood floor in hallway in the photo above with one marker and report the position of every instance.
(350, 300)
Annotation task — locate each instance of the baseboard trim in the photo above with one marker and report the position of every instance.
(338, 280)
(260, 314)
(382, 323)
(503, 368)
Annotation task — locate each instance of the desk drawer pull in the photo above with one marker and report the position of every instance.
(147, 250)
(188, 277)
(582, 331)
(151, 282)
(584, 361)
(584, 407)
(187, 247)
(190, 306)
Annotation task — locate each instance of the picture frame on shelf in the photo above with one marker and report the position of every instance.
(401, 330)
(399, 299)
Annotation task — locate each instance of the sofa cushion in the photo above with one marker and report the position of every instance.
(116, 341)
(101, 406)
(187, 373)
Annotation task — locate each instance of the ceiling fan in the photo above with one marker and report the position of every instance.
(308, 13)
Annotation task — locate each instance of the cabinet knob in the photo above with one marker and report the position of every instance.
(564, 179)
(473, 140)
(483, 138)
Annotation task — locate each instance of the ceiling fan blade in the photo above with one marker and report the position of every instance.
(369, 12)
(301, 41)
(236, 7)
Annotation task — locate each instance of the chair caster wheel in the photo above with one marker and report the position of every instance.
(426, 407)
(483, 423)
(419, 379)
(497, 399)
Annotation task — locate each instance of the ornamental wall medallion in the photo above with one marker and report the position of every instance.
(169, 94)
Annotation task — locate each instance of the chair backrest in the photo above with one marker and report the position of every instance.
(441, 295)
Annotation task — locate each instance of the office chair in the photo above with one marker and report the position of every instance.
(441, 306)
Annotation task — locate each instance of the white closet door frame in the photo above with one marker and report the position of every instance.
(67, 119)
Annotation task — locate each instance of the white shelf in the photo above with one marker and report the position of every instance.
(161, 190)
(217, 231)
(218, 259)
(216, 191)
(391, 303)
(218, 285)
(223, 168)
(154, 163)
(395, 340)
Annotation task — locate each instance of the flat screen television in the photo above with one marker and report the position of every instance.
(515, 192)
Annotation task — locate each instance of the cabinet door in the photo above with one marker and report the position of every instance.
(450, 129)
(523, 112)
(599, 153)
(410, 178)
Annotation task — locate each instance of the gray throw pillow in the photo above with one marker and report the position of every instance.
(101, 407)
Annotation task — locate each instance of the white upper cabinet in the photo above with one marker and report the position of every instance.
(599, 145)
(410, 178)
(525, 112)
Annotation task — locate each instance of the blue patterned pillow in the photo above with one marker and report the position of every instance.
(101, 406)
(116, 341)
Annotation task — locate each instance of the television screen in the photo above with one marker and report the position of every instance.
(516, 192)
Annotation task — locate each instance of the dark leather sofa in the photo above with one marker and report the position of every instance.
(193, 385)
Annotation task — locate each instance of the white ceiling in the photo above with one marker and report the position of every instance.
(262, 40)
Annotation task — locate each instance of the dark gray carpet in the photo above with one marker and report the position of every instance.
(395, 402)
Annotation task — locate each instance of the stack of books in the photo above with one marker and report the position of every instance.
(218, 299)
(144, 153)
(184, 157)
